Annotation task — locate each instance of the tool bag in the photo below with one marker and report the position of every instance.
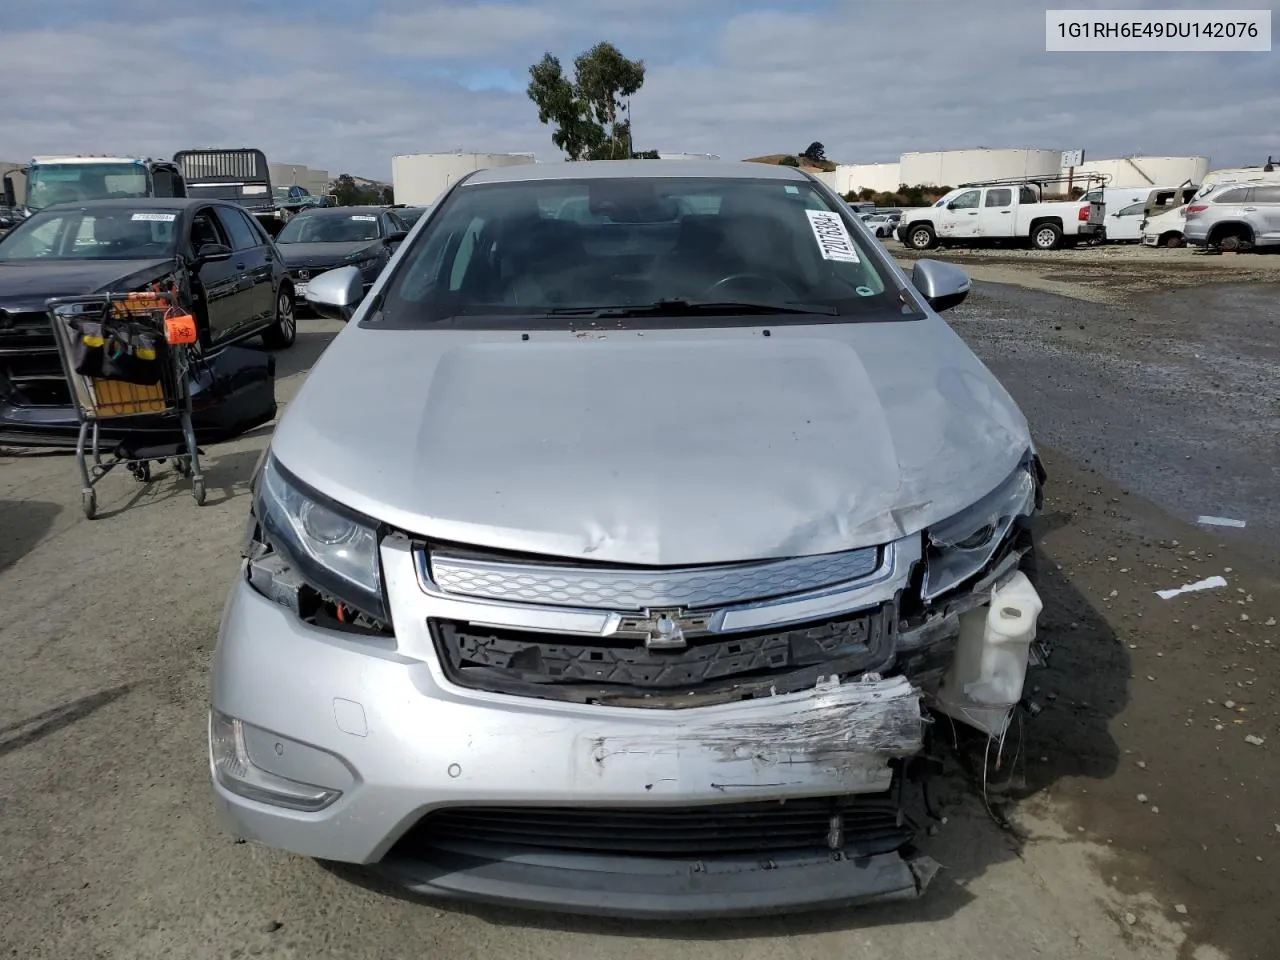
(115, 348)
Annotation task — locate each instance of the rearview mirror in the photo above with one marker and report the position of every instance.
(213, 253)
(943, 285)
(336, 294)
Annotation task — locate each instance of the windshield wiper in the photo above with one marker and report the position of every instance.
(678, 307)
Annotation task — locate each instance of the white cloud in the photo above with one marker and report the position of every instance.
(869, 78)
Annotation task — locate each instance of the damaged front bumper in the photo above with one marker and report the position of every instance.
(514, 735)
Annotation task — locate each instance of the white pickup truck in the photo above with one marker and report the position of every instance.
(1000, 212)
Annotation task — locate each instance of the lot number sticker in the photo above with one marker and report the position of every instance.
(156, 217)
(362, 217)
(832, 236)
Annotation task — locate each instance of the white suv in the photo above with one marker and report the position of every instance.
(1235, 217)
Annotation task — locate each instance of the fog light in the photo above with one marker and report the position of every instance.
(233, 770)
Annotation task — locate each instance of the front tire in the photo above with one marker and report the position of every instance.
(1046, 236)
(1172, 240)
(921, 237)
(284, 329)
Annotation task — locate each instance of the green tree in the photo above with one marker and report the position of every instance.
(587, 110)
(789, 161)
(815, 153)
(347, 190)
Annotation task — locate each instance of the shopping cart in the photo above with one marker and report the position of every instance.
(129, 355)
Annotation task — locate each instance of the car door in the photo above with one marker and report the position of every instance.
(1126, 223)
(253, 262)
(995, 216)
(959, 218)
(1266, 213)
(216, 286)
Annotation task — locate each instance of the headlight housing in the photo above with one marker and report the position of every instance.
(333, 549)
(962, 545)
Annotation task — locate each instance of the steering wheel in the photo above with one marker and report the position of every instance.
(772, 282)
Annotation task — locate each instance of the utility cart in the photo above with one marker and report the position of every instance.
(129, 355)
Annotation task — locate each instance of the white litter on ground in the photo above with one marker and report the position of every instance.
(1206, 584)
(1220, 522)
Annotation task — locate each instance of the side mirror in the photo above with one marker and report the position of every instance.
(213, 253)
(336, 294)
(397, 237)
(943, 285)
(951, 205)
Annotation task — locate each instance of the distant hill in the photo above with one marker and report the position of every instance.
(793, 160)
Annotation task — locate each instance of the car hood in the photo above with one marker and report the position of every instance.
(673, 447)
(27, 284)
(322, 254)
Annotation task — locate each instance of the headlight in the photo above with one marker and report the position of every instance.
(334, 549)
(959, 547)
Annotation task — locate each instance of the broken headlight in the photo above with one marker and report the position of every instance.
(333, 549)
(961, 546)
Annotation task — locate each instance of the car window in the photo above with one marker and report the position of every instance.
(533, 248)
(1134, 209)
(117, 234)
(330, 228)
(1265, 195)
(164, 183)
(1235, 195)
(1027, 195)
(999, 197)
(967, 200)
(242, 235)
(206, 229)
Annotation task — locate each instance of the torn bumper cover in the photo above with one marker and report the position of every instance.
(651, 742)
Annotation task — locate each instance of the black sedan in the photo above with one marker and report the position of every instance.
(226, 268)
(317, 240)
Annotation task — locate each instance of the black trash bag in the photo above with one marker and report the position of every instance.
(113, 348)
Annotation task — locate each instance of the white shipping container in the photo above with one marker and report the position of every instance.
(953, 167)
(846, 177)
(1147, 171)
(419, 178)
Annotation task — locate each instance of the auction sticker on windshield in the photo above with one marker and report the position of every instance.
(832, 236)
(155, 217)
(359, 216)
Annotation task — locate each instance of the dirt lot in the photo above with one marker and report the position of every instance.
(1138, 821)
(1110, 273)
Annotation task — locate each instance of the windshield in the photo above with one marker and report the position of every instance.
(330, 228)
(117, 234)
(552, 248)
(48, 184)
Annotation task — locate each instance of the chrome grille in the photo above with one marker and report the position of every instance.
(636, 588)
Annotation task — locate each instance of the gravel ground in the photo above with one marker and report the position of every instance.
(1137, 820)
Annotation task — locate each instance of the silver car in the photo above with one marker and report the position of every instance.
(616, 563)
(1235, 216)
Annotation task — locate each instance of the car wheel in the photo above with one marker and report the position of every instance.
(284, 329)
(1230, 244)
(1047, 236)
(922, 238)
(1172, 240)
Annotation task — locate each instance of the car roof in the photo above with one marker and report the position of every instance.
(136, 203)
(637, 169)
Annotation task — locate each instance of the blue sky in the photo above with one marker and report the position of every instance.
(311, 83)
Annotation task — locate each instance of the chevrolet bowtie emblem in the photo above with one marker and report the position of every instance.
(664, 629)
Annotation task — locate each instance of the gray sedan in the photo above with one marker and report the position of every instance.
(613, 564)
